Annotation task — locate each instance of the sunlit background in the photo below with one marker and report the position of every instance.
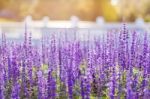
(86, 10)
(97, 16)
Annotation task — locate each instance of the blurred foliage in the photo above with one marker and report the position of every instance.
(129, 10)
(84, 9)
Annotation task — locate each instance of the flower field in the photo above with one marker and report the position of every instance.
(115, 65)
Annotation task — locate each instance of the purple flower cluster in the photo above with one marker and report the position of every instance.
(115, 65)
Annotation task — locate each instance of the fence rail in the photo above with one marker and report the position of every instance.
(15, 30)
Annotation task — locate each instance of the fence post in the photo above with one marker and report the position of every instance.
(45, 31)
(100, 21)
(28, 20)
(139, 21)
(45, 21)
(28, 23)
(74, 21)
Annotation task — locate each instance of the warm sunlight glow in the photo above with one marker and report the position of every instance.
(114, 2)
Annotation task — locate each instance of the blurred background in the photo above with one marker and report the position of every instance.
(86, 10)
(82, 17)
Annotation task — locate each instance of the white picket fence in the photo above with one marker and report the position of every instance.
(15, 30)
